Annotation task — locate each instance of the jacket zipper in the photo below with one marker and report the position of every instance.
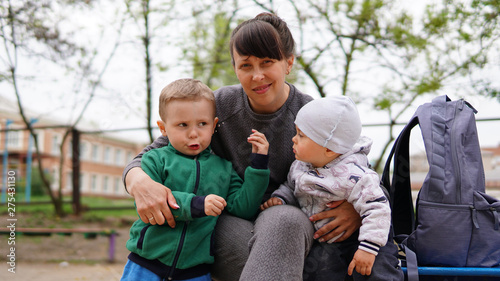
(184, 230)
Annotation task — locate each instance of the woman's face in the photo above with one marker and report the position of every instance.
(263, 80)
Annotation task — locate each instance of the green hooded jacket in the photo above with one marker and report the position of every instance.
(190, 179)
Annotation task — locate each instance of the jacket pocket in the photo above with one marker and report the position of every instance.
(212, 244)
(140, 242)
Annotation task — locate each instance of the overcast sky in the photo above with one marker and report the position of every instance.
(120, 104)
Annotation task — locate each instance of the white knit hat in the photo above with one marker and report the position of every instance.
(332, 122)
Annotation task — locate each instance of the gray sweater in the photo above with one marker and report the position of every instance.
(236, 121)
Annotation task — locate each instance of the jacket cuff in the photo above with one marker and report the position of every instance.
(198, 207)
(259, 161)
(280, 198)
(369, 247)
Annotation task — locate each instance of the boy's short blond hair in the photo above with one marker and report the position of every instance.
(184, 89)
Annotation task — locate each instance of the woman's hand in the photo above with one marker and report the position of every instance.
(273, 201)
(346, 221)
(151, 198)
(260, 145)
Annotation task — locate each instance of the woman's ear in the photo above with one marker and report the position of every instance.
(161, 125)
(289, 63)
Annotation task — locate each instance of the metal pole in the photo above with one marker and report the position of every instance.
(5, 162)
(76, 170)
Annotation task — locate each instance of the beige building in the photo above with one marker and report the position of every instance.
(102, 157)
(491, 163)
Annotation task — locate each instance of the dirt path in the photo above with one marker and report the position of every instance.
(65, 272)
(59, 257)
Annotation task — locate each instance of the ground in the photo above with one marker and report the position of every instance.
(58, 257)
(54, 272)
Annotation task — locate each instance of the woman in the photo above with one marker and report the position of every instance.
(274, 245)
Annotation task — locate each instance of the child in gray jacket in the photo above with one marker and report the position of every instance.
(332, 165)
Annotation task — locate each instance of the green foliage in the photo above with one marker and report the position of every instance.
(383, 103)
(98, 210)
(410, 56)
(33, 25)
(209, 51)
(428, 84)
(394, 55)
(37, 188)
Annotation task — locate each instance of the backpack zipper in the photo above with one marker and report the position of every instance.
(454, 155)
(445, 205)
(184, 230)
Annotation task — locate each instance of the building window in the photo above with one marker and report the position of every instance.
(69, 181)
(40, 138)
(107, 155)
(496, 162)
(14, 140)
(118, 157)
(56, 141)
(93, 183)
(84, 151)
(128, 158)
(95, 153)
(105, 184)
(117, 186)
(83, 182)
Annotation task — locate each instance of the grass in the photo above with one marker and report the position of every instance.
(100, 210)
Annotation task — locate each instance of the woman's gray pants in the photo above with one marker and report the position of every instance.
(273, 247)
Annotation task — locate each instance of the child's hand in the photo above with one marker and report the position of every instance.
(363, 262)
(273, 201)
(259, 142)
(214, 205)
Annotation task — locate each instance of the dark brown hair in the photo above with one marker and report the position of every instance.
(266, 35)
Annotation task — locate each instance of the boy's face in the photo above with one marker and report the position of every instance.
(189, 125)
(307, 150)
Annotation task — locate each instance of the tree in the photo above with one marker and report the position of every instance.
(208, 48)
(89, 78)
(149, 21)
(395, 57)
(456, 41)
(207, 45)
(31, 29)
(22, 22)
(375, 51)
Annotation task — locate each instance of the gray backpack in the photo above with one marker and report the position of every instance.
(456, 223)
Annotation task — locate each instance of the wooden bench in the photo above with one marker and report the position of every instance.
(87, 232)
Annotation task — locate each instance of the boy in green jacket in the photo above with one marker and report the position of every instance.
(202, 183)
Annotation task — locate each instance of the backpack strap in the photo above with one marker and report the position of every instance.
(411, 264)
(399, 187)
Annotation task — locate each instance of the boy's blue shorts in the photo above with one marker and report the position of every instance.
(134, 272)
